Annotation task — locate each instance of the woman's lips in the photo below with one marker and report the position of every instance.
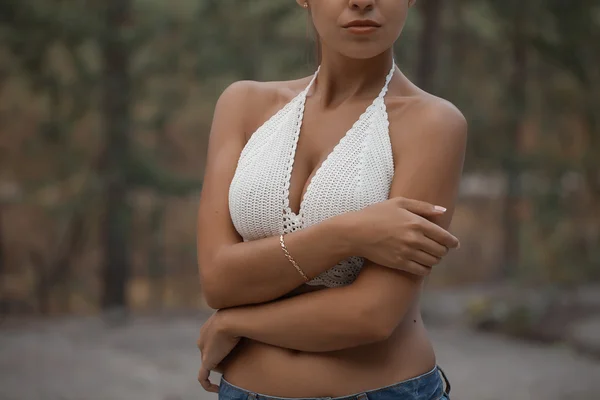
(362, 27)
(362, 30)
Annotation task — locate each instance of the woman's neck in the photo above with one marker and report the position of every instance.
(341, 78)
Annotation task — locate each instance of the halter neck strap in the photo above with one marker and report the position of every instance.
(388, 79)
(314, 77)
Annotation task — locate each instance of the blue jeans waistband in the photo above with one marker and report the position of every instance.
(432, 385)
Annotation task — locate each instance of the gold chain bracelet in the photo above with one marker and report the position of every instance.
(291, 259)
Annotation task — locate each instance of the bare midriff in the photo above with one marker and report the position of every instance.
(276, 371)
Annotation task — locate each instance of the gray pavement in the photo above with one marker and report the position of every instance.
(154, 358)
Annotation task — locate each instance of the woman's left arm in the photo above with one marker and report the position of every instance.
(429, 166)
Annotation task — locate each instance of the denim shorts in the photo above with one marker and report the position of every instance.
(432, 385)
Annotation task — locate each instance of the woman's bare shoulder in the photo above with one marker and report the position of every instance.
(253, 102)
(423, 116)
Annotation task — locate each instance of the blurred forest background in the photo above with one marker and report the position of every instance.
(105, 109)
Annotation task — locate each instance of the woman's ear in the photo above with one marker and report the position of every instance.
(411, 2)
(302, 3)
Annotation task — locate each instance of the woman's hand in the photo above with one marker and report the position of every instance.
(395, 233)
(214, 343)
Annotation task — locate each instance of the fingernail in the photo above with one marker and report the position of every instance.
(439, 208)
(458, 247)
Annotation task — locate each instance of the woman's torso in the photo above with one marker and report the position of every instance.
(287, 373)
(274, 371)
(300, 168)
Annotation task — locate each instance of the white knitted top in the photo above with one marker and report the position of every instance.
(358, 172)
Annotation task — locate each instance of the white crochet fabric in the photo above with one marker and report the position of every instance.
(358, 172)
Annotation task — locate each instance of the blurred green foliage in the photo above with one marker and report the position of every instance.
(107, 106)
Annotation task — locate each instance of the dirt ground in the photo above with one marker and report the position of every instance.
(154, 358)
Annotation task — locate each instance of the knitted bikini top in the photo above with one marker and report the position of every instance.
(358, 172)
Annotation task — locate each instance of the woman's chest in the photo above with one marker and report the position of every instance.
(283, 183)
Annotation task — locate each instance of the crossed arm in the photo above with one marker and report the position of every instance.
(233, 272)
(429, 152)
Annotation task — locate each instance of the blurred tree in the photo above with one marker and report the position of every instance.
(515, 17)
(55, 271)
(32, 30)
(105, 101)
(116, 107)
(3, 263)
(569, 215)
(429, 43)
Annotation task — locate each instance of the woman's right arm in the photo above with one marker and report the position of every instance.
(234, 272)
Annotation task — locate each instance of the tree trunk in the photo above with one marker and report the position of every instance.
(3, 263)
(156, 264)
(116, 110)
(431, 13)
(55, 270)
(516, 105)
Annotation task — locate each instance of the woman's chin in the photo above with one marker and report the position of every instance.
(360, 52)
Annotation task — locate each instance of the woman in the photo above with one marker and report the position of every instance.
(317, 221)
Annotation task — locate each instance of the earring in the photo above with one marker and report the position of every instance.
(305, 5)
